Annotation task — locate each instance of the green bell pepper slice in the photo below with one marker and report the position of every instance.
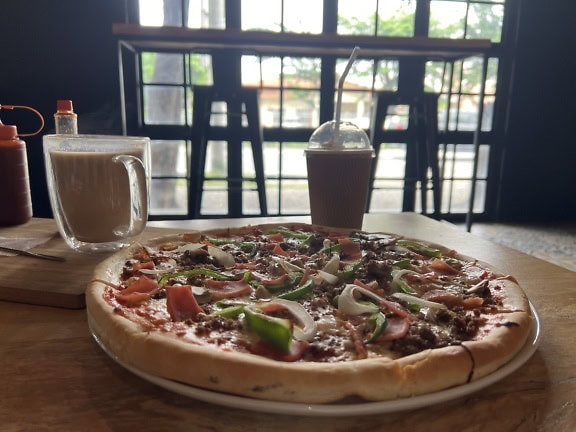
(402, 264)
(299, 293)
(350, 270)
(420, 248)
(308, 240)
(274, 332)
(401, 284)
(378, 320)
(230, 311)
(197, 272)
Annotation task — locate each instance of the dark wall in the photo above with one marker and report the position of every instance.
(53, 50)
(539, 171)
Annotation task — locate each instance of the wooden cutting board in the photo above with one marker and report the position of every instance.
(50, 283)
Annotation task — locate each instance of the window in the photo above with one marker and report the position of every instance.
(466, 19)
(201, 13)
(376, 18)
(296, 96)
(283, 16)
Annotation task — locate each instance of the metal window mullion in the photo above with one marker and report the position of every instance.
(446, 123)
(140, 93)
(327, 88)
(280, 143)
(477, 143)
(446, 130)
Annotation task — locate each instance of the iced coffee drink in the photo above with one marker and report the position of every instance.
(339, 162)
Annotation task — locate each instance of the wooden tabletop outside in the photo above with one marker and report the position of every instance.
(55, 377)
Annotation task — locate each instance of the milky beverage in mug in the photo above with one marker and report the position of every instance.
(96, 184)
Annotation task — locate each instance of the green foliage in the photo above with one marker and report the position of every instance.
(148, 65)
(401, 24)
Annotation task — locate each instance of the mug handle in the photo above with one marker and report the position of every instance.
(138, 192)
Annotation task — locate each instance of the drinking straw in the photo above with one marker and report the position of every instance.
(338, 112)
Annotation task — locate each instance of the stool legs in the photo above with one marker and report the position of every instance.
(421, 147)
(253, 116)
(414, 170)
(203, 99)
(201, 125)
(430, 112)
(377, 122)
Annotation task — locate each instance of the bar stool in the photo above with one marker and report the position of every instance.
(421, 146)
(234, 134)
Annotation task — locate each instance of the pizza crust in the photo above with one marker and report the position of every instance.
(501, 345)
(373, 379)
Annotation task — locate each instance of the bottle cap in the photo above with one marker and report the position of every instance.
(64, 105)
(8, 132)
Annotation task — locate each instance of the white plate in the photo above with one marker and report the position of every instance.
(341, 409)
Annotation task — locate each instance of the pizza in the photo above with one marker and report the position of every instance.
(307, 314)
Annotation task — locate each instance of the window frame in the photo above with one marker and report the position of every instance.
(328, 83)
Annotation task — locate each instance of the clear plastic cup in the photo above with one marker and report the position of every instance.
(339, 163)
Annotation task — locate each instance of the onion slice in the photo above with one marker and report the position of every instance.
(192, 247)
(287, 266)
(328, 277)
(348, 304)
(164, 267)
(307, 329)
(333, 265)
(155, 271)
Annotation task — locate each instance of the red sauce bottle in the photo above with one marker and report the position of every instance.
(15, 201)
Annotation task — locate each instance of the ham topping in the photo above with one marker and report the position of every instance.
(138, 292)
(264, 280)
(279, 251)
(181, 303)
(440, 296)
(142, 285)
(350, 250)
(227, 289)
(443, 267)
(149, 265)
(396, 328)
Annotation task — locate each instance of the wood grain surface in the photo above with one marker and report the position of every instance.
(50, 283)
(55, 377)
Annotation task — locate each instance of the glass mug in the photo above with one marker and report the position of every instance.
(98, 187)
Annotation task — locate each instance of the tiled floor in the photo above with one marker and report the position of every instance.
(555, 243)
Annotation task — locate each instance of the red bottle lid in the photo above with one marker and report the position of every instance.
(64, 105)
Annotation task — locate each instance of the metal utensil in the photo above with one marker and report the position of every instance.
(31, 254)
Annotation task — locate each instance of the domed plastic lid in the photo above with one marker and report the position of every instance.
(8, 132)
(347, 137)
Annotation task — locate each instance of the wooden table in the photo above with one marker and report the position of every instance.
(55, 377)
